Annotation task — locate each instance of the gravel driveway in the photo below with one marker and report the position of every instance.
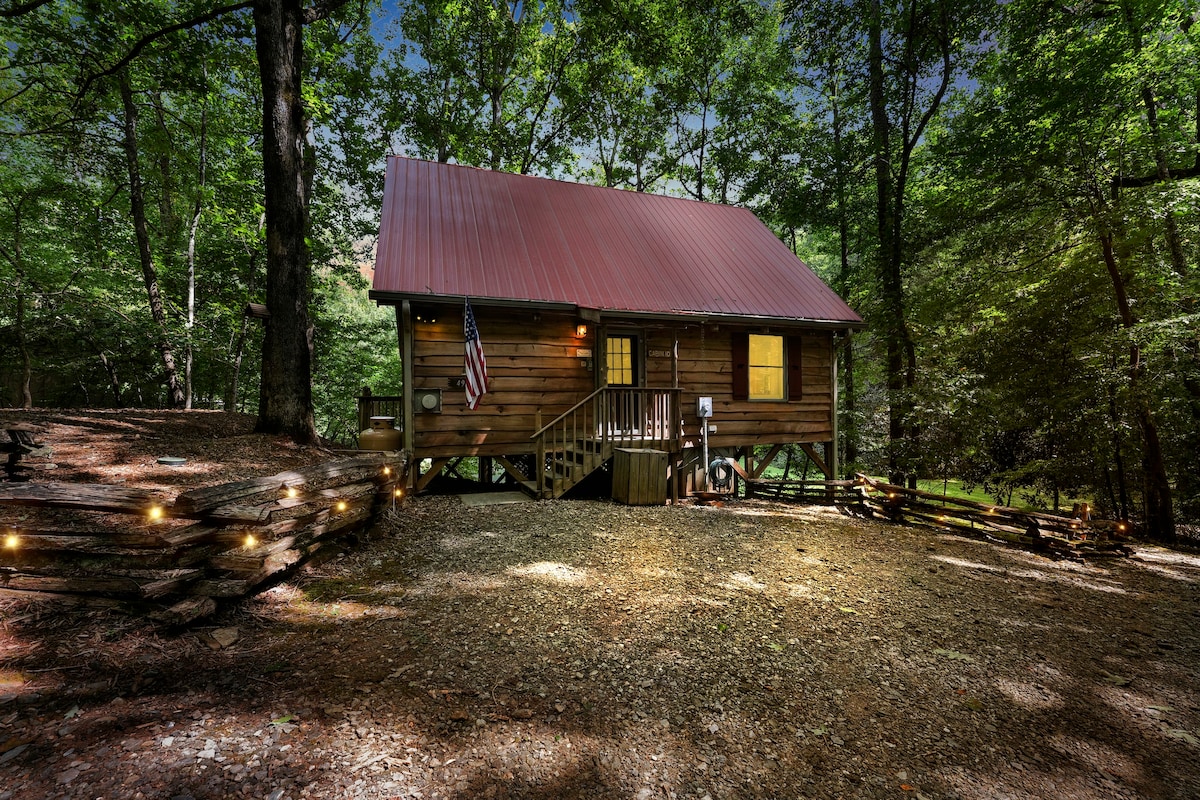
(590, 650)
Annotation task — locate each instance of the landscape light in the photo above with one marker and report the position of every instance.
(250, 541)
(156, 513)
(387, 470)
(291, 492)
(399, 493)
(341, 506)
(11, 541)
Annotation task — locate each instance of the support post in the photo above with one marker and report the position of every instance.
(404, 322)
(832, 455)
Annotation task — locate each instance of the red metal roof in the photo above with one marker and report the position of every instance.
(458, 231)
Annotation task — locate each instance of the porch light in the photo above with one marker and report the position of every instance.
(580, 331)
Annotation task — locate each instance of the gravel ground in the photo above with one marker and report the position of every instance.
(590, 650)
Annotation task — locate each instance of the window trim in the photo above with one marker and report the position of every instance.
(793, 350)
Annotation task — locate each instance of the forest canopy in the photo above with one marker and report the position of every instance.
(1009, 193)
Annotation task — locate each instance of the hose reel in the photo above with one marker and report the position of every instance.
(720, 473)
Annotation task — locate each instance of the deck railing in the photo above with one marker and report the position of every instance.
(608, 418)
(379, 405)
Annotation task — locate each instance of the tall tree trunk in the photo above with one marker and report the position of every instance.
(23, 348)
(887, 270)
(111, 370)
(849, 400)
(1160, 514)
(197, 208)
(1161, 167)
(285, 404)
(137, 207)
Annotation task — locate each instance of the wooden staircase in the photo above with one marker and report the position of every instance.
(584, 438)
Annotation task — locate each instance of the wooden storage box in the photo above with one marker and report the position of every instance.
(639, 477)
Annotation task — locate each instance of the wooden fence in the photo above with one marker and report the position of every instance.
(222, 541)
(1074, 537)
(1077, 537)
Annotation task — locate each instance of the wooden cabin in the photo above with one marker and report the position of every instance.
(611, 321)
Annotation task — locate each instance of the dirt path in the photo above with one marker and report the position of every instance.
(589, 650)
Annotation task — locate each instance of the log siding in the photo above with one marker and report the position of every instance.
(535, 367)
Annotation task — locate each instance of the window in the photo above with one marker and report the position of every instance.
(766, 368)
(620, 361)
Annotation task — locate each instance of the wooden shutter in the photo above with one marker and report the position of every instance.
(795, 377)
(741, 366)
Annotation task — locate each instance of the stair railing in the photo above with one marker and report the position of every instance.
(610, 417)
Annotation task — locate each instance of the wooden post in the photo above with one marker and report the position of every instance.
(831, 457)
(539, 465)
(404, 321)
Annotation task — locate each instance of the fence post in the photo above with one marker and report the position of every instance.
(364, 410)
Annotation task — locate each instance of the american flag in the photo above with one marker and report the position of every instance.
(476, 364)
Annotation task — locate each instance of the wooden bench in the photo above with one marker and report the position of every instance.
(25, 453)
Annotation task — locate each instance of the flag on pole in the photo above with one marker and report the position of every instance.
(476, 364)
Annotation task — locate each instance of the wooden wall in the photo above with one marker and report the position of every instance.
(705, 369)
(533, 364)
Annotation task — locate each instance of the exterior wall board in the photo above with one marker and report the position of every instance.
(533, 366)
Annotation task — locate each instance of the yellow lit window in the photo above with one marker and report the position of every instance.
(766, 367)
(620, 361)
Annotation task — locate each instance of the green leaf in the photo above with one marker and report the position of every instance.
(1182, 735)
(1116, 680)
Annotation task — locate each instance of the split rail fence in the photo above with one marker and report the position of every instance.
(1071, 537)
(217, 542)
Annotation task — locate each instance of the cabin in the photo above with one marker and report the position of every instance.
(613, 324)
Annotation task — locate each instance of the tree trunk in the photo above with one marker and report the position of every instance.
(285, 404)
(197, 208)
(1160, 515)
(137, 207)
(111, 370)
(23, 348)
(850, 429)
(887, 271)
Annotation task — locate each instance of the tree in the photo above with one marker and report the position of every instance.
(1082, 175)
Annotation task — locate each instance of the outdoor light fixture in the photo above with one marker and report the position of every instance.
(291, 492)
(11, 541)
(156, 513)
(341, 506)
(387, 470)
(580, 331)
(399, 493)
(250, 541)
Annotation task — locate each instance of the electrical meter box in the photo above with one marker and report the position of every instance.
(704, 407)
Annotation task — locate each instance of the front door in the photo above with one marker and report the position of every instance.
(624, 375)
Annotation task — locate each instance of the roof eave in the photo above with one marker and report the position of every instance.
(614, 315)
